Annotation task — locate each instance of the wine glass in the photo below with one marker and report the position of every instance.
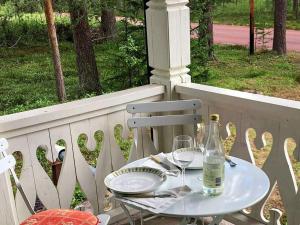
(183, 152)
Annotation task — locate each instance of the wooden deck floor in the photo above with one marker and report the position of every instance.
(166, 221)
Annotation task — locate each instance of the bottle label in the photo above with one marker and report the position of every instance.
(213, 175)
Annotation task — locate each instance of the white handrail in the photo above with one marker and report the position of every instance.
(43, 118)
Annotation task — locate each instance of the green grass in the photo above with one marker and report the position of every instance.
(265, 73)
(27, 79)
(237, 12)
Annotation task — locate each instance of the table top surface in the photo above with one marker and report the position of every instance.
(244, 186)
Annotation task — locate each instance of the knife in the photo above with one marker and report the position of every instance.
(158, 160)
(136, 202)
(231, 163)
(167, 195)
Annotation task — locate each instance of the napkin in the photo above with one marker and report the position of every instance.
(157, 205)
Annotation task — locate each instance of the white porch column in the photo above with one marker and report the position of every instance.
(168, 33)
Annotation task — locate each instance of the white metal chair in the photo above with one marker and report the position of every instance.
(7, 163)
(155, 121)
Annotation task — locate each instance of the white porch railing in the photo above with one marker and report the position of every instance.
(43, 127)
(27, 131)
(279, 117)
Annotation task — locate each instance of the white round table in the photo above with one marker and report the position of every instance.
(245, 185)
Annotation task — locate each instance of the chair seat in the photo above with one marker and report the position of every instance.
(61, 217)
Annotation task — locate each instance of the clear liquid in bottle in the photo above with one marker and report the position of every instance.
(213, 160)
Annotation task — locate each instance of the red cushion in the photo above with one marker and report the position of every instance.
(61, 217)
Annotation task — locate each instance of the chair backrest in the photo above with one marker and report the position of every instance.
(7, 163)
(165, 120)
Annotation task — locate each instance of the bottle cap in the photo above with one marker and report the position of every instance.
(215, 117)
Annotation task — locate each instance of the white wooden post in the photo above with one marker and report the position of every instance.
(168, 30)
(168, 35)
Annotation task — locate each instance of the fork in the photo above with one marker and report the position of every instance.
(231, 163)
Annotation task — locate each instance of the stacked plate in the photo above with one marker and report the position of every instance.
(135, 180)
(138, 180)
(197, 163)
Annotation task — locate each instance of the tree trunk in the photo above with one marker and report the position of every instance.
(205, 26)
(279, 40)
(208, 21)
(60, 85)
(85, 56)
(108, 24)
(296, 8)
(251, 37)
(210, 29)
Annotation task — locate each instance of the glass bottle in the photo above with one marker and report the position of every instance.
(213, 160)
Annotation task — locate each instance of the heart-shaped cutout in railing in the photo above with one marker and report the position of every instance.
(42, 154)
(229, 140)
(227, 133)
(274, 202)
(124, 143)
(292, 152)
(260, 144)
(52, 169)
(78, 197)
(44, 162)
(79, 200)
(38, 205)
(261, 154)
(91, 155)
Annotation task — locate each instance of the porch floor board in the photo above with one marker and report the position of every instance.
(165, 221)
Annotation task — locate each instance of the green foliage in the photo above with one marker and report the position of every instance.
(237, 12)
(27, 28)
(131, 9)
(27, 79)
(24, 6)
(78, 196)
(265, 73)
(18, 168)
(129, 51)
(131, 60)
(124, 143)
(41, 156)
(200, 71)
(90, 155)
(201, 50)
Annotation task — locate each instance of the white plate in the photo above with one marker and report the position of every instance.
(135, 180)
(196, 164)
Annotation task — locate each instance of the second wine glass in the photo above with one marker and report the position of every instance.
(183, 153)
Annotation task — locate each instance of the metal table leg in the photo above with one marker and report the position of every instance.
(126, 211)
(184, 221)
(216, 220)
(189, 221)
(141, 217)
